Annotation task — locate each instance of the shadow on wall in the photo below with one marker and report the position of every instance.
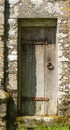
(11, 106)
(11, 114)
(6, 50)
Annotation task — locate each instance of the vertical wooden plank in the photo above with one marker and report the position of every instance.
(26, 77)
(39, 53)
(50, 35)
(53, 35)
(50, 80)
(26, 69)
(33, 78)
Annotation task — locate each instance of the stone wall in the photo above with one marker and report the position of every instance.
(1, 42)
(17, 9)
(3, 94)
(42, 9)
(3, 109)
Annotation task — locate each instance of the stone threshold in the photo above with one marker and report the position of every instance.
(34, 121)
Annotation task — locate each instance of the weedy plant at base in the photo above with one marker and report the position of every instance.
(55, 127)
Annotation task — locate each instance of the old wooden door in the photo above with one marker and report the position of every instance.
(38, 71)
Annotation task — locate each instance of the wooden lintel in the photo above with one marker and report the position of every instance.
(37, 22)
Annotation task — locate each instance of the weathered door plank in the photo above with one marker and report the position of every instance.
(39, 53)
(26, 78)
(33, 78)
(50, 80)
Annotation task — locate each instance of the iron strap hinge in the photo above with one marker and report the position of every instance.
(24, 98)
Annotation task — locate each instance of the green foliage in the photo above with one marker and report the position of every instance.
(54, 127)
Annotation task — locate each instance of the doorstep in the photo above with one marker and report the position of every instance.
(34, 121)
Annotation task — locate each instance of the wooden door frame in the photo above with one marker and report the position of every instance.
(29, 22)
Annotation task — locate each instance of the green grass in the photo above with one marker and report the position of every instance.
(55, 127)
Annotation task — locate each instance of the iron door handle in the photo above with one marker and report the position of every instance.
(50, 66)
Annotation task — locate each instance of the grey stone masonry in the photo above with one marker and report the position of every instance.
(10, 12)
(43, 9)
(3, 108)
(3, 94)
(1, 41)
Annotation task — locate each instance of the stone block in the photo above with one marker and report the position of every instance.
(1, 31)
(12, 57)
(60, 113)
(12, 82)
(2, 2)
(2, 123)
(3, 128)
(3, 110)
(1, 18)
(3, 95)
(1, 8)
(13, 2)
(1, 45)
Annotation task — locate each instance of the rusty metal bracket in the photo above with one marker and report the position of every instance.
(24, 98)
